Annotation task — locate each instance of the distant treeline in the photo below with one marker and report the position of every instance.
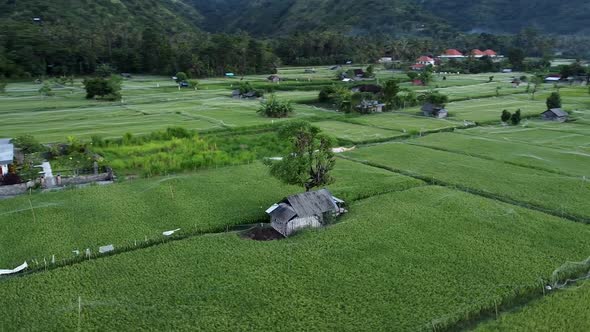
(32, 50)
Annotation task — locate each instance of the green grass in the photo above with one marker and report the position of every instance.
(403, 122)
(559, 194)
(402, 261)
(490, 109)
(60, 222)
(549, 159)
(355, 133)
(566, 310)
(565, 141)
(472, 107)
(142, 110)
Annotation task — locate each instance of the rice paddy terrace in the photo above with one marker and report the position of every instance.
(455, 224)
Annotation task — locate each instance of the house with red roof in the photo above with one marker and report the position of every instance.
(425, 60)
(418, 67)
(452, 53)
(476, 53)
(490, 53)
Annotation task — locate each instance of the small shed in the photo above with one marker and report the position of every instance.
(552, 78)
(249, 95)
(306, 210)
(6, 155)
(274, 78)
(555, 114)
(370, 106)
(436, 111)
(310, 71)
(516, 83)
(246, 95)
(359, 73)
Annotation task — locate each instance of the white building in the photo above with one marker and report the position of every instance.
(425, 60)
(6, 155)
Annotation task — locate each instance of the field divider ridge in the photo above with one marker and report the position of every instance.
(148, 243)
(479, 156)
(437, 182)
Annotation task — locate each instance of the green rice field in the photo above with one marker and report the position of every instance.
(453, 224)
(437, 257)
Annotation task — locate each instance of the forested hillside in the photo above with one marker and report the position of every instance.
(549, 16)
(66, 37)
(274, 17)
(74, 35)
(394, 16)
(211, 37)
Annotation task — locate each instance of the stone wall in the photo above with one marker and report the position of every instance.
(17, 189)
(82, 179)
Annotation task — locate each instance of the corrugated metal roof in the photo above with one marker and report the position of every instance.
(559, 112)
(313, 203)
(282, 213)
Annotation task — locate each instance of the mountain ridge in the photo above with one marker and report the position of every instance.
(401, 17)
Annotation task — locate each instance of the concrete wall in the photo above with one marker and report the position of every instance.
(82, 179)
(17, 189)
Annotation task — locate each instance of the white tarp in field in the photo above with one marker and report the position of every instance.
(17, 270)
(105, 249)
(170, 233)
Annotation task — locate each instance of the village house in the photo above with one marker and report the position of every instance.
(477, 53)
(306, 210)
(370, 106)
(452, 54)
(552, 78)
(425, 60)
(6, 155)
(274, 78)
(247, 95)
(516, 83)
(555, 114)
(418, 67)
(491, 53)
(385, 59)
(436, 111)
(359, 73)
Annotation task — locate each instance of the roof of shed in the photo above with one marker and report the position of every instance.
(283, 212)
(312, 203)
(558, 111)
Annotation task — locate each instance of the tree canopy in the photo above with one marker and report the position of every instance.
(309, 160)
